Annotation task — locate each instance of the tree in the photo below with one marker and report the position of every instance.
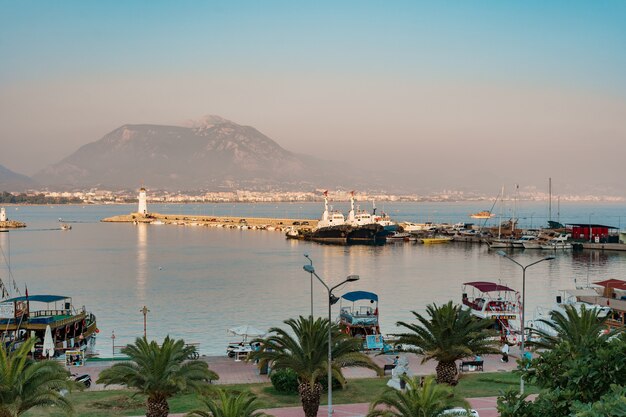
(575, 327)
(228, 404)
(451, 333)
(582, 374)
(26, 384)
(306, 353)
(429, 400)
(159, 372)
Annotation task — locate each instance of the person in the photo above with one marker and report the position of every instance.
(505, 352)
(478, 358)
(395, 361)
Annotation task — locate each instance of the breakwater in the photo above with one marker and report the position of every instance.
(262, 223)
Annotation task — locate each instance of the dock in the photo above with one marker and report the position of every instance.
(603, 246)
(263, 223)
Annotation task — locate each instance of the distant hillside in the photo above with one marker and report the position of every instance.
(212, 154)
(12, 181)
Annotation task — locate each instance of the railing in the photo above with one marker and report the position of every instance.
(42, 313)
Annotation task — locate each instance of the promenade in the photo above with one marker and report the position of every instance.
(233, 372)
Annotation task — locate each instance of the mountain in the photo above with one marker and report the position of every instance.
(12, 181)
(211, 154)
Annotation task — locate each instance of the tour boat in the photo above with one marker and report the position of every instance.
(28, 316)
(496, 302)
(482, 215)
(359, 318)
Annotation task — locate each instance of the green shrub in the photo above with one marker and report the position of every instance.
(285, 380)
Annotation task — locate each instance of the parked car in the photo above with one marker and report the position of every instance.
(296, 223)
(458, 411)
(305, 223)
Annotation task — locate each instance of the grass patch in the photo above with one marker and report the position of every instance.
(122, 403)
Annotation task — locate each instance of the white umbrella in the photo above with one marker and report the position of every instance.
(246, 331)
(48, 343)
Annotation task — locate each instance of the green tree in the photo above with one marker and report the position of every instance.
(27, 384)
(429, 400)
(573, 326)
(229, 404)
(449, 334)
(159, 372)
(305, 351)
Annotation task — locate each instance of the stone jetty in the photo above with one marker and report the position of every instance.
(262, 223)
(11, 224)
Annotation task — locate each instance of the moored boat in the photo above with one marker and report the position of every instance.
(490, 300)
(28, 316)
(359, 317)
(435, 240)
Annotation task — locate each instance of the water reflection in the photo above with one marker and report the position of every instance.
(142, 261)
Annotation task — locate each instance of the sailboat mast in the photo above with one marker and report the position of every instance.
(550, 199)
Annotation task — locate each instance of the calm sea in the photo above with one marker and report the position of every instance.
(197, 282)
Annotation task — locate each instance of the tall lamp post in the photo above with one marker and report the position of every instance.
(331, 300)
(547, 258)
(145, 312)
(306, 255)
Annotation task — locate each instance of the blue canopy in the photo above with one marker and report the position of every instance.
(359, 295)
(38, 298)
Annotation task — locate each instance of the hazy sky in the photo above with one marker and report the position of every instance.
(449, 92)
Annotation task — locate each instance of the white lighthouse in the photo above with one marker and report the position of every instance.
(142, 208)
(3, 215)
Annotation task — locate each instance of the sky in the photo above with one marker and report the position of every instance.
(455, 94)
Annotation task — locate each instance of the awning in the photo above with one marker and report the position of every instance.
(359, 295)
(38, 298)
(485, 286)
(612, 283)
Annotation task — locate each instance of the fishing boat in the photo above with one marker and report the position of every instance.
(331, 228)
(359, 318)
(493, 301)
(400, 237)
(27, 316)
(435, 240)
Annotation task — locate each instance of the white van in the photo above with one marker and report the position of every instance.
(458, 411)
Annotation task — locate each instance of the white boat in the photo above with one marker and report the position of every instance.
(417, 227)
(65, 226)
(400, 237)
(519, 243)
(566, 298)
(330, 217)
(497, 302)
(558, 242)
(500, 243)
(157, 222)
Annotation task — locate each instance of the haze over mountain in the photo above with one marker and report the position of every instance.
(212, 153)
(12, 181)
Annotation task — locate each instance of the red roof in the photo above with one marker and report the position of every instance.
(613, 283)
(485, 286)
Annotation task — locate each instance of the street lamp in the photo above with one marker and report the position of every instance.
(547, 258)
(145, 312)
(331, 300)
(590, 230)
(306, 255)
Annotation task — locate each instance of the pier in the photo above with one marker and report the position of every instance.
(214, 221)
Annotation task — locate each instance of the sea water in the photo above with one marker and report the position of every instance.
(199, 281)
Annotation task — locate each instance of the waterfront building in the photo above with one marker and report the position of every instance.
(3, 215)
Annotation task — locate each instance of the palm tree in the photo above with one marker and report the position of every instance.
(159, 372)
(573, 326)
(429, 400)
(451, 333)
(26, 384)
(229, 404)
(306, 353)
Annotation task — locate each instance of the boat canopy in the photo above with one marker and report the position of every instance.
(38, 298)
(613, 283)
(359, 295)
(485, 286)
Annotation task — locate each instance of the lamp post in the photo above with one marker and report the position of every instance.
(590, 230)
(331, 300)
(145, 312)
(306, 255)
(547, 258)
